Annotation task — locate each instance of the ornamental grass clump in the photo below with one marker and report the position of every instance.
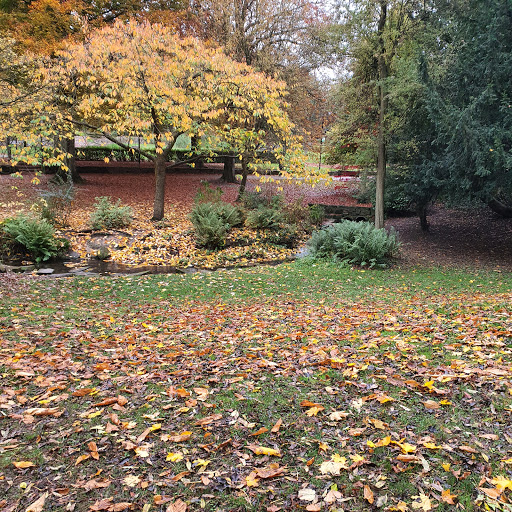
(357, 243)
(108, 215)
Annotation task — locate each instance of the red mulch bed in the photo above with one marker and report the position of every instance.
(474, 238)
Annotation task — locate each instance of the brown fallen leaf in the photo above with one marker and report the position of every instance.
(177, 506)
(96, 484)
(83, 392)
(177, 438)
(103, 504)
(119, 507)
(209, 419)
(270, 471)
(106, 401)
(492, 493)
(468, 449)
(431, 404)
(44, 411)
(179, 476)
(202, 392)
(38, 505)
(314, 507)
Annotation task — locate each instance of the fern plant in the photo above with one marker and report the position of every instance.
(108, 215)
(358, 243)
(34, 235)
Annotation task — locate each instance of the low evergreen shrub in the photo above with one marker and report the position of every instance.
(264, 217)
(108, 215)
(357, 243)
(212, 222)
(33, 235)
(55, 202)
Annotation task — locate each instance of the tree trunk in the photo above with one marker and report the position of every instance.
(160, 169)
(383, 105)
(243, 184)
(228, 174)
(422, 214)
(500, 208)
(68, 146)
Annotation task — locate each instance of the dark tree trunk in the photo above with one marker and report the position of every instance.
(383, 106)
(160, 169)
(500, 208)
(422, 214)
(68, 146)
(243, 183)
(228, 173)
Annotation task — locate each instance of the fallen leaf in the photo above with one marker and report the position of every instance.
(23, 464)
(262, 450)
(368, 494)
(260, 431)
(177, 506)
(422, 502)
(448, 497)
(38, 505)
(251, 480)
(277, 426)
(177, 438)
(209, 419)
(307, 494)
(270, 471)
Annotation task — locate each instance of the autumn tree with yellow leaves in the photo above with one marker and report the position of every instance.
(135, 79)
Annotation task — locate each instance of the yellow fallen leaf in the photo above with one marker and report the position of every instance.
(502, 483)
(422, 503)
(262, 450)
(174, 457)
(23, 464)
(368, 494)
(251, 480)
(431, 446)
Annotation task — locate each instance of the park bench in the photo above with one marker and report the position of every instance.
(357, 213)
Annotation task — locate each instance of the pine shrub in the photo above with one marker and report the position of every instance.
(357, 243)
(108, 215)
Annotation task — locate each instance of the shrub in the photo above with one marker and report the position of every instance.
(34, 235)
(255, 200)
(207, 194)
(358, 243)
(55, 201)
(264, 217)
(212, 221)
(108, 215)
(316, 214)
(287, 235)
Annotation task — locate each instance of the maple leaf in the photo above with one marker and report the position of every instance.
(174, 457)
(448, 497)
(307, 494)
(502, 483)
(251, 480)
(313, 411)
(422, 502)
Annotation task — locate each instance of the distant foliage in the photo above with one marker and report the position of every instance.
(208, 194)
(108, 215)
(55, 202)
(357, 243)
(34, 235)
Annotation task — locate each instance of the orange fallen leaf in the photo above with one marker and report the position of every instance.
(277, 426)
(368, 494)
(179, 476)
(431, 404)
(81, 458)
(251, 480)
(468, 449)
(448, 497)
(492, 493)
(313, 411)
(260, 431)
(23, 464)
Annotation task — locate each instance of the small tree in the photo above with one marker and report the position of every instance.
(141, 80)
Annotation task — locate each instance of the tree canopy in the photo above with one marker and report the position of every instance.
(141, 80)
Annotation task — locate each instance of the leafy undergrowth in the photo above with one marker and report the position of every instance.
(299, 387)
(171, 241)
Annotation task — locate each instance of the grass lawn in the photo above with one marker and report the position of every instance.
(296, 387)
